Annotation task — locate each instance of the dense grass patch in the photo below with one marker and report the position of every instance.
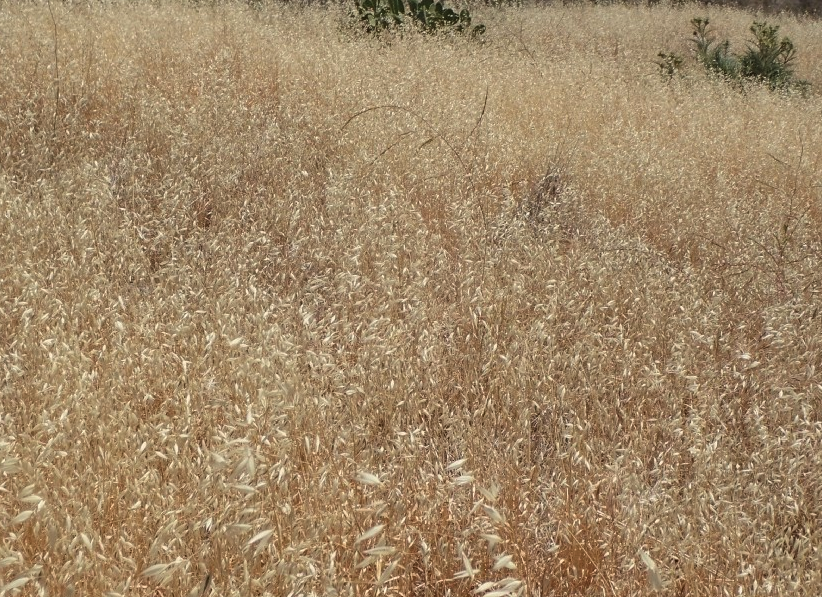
(285, 311)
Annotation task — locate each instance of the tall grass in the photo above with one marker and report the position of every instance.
(285, 312)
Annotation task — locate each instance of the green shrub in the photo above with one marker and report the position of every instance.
(715, 56)
(376, 16)
(429, 16)
(767, 59)
(432, 16)
(669, 64)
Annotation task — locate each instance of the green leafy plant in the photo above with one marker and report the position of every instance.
(669, 64)
(433, 16)
(715, 56)
(768, 59)
(376, 16)
(429, 16)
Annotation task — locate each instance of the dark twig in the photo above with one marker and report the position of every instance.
(56, 114)
(479, 120)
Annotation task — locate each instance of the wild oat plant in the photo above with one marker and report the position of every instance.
(287, 312)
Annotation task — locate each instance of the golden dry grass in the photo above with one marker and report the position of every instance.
(286, 312)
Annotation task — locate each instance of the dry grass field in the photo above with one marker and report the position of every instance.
(287, 311)
(772, 6)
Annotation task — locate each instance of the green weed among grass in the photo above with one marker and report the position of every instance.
(768, 58)
(669, 64)
(429, 16)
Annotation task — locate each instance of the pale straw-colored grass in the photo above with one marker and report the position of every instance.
(288, 312)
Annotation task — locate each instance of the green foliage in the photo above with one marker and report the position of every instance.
(379, 15)
(669, 64)
(432, 16)
(768, 58)
(429, 16)
(715, 56)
